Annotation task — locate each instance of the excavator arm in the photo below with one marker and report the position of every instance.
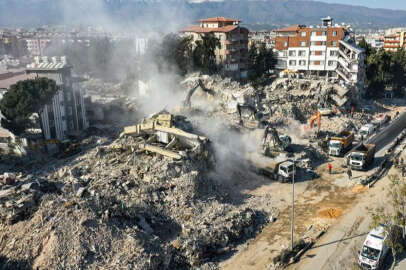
(314, 117)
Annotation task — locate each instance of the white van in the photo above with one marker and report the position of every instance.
(374, 249)
(365, 131)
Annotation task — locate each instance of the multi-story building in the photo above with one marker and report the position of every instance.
(233, 50)
(66, 114)
(395, 41)
(36, 46)
(326, 50)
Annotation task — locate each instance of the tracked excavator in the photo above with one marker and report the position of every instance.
(277, 143)
(241, 107)
(187, 102)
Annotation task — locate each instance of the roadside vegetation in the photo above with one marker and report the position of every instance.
(384, 70)
(393, 217)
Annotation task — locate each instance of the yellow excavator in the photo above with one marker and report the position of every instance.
(66, 148)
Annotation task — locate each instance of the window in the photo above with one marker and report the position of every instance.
(331, 63)
(314, 33)
(323, 43)
(313, 43)
(292, 53)
(292, 63)
(312, 52)
(303, 34)
(302, 63)
(324, 33)
(334, 43)
(333, 53)
(303, 43)
(302, 53)
(334, 33)
(285, 44)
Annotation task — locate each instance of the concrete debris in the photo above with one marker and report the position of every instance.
(151, 197)
(120, 206)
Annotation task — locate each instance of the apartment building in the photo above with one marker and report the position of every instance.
(66, 113)
(36, 46)
(326, 50)
(233, 51)
(395, 41)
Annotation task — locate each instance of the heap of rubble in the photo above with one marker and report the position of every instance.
(125, 206)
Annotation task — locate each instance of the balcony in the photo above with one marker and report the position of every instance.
(318, 47)
(318, 38)
(317, 57)
(316, 67)
(344, 64)
(341, 72)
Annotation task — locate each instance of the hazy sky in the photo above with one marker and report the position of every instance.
(391, 4)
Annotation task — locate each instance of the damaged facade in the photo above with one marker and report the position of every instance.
(326, 50)
(233, 51)
(66, 115)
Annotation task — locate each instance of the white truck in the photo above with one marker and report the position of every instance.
(282, 170)
(361, 157)
(374, 249)
(365, 131)
(340, 143)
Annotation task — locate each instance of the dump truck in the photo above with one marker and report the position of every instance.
(282, 170)
(362, 156)
(339, 144)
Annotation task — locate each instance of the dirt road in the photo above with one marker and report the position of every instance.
(331, 201)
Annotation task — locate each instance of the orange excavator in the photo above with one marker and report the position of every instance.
(314, 117)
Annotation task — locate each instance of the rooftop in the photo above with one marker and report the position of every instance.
(219, 19)
(198, 29)
(292, 28)
(43, 63)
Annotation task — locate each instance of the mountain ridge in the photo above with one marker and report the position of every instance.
(272, 13)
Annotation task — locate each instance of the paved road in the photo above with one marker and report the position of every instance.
(389, 133)
(338, 248)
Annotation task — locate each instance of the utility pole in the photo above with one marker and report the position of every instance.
(292, 221)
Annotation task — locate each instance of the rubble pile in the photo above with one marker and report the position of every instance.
(20, 201)
(122, 206)
(283, 100)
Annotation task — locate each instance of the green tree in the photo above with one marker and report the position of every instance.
(260, 62)
(393, 216)
(171, 54)
(204, 56)
(22, 100)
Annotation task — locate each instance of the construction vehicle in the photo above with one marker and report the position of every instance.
(278, 143)
(282, 171)
(246, 107)
(381, 120)
(187, 102)
(314, 117)
(362, 156)
(339, 144)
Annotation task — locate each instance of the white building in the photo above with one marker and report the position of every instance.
(66, 114)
